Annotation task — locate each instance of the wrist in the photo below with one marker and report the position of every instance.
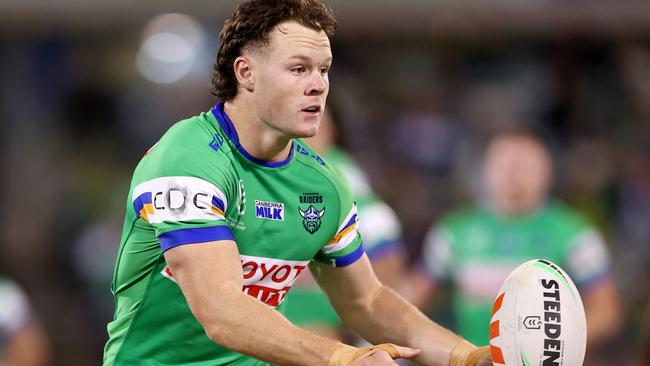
(342, 355)
(461, 352)
(467, 354)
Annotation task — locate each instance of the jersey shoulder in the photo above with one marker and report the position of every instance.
(192, 146)
(307, 157)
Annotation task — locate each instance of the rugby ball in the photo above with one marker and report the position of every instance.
(538, 318)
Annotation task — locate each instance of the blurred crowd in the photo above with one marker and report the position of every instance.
(79, 109)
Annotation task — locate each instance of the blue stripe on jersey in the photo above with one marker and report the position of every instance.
(138, 203)
(231, 132)
(180, 237)
(348, 259)
(218, 203)
(352, 220)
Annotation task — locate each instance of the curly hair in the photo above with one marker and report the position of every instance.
(251, 24)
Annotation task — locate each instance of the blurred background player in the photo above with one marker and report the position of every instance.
(22, 339)
(475, 249)
(306, 305)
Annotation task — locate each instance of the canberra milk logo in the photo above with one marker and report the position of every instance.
(269, 210)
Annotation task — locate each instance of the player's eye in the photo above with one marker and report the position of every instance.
(298, 70)
(324, 70)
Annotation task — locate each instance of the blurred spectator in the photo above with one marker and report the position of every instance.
(306, 305)
(22, 339)
(475, 249)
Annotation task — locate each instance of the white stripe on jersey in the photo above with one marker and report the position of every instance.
(182, 198)
(345, 234)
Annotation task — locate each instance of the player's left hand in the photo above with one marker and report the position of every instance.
(381, 354)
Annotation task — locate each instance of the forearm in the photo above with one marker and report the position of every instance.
(387, 317)
(243, 324)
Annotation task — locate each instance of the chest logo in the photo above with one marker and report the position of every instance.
(311, 218)
(269, 210)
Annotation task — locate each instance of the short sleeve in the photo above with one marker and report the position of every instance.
(437, 253)
(183, 197)
(15, 312)
(345, 247)
(588, 260)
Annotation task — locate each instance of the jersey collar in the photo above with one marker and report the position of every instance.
(231, 133)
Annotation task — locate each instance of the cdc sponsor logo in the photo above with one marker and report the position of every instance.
(176, 199)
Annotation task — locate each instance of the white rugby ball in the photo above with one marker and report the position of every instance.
(538, 318)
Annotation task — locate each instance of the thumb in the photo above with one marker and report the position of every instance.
(407, 352)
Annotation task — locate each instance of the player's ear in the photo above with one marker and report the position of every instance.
(243, 68)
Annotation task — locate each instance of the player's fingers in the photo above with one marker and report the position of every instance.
(376, 358)
(484, 363)
(407, 352)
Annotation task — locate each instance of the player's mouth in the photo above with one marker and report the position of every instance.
(312, 110)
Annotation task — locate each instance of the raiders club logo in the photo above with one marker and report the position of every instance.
(311, 216)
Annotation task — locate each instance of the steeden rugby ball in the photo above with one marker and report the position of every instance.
(538, 318)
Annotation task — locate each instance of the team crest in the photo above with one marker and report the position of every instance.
(311, 218)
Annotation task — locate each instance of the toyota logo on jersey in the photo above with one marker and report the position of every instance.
(266, 279)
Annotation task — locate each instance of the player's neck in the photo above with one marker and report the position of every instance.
(257, 137)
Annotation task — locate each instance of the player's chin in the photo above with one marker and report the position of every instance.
(307, 129)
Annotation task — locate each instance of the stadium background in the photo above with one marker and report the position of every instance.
(88, 87)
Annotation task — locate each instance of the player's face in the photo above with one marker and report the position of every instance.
(291, 79)
(518, 174)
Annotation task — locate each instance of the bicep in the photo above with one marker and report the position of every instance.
(203, 269)
(352, 285)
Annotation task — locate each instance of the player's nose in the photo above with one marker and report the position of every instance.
(318, 83)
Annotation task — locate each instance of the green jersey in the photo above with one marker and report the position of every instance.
(196, 185)
(307, 305)
(475, 250)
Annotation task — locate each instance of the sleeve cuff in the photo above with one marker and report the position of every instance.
(180, 237)
(350, 258)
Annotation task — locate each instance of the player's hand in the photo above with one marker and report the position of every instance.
(384, 358)
(379, 355)
(466, 354)
(484, 356)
